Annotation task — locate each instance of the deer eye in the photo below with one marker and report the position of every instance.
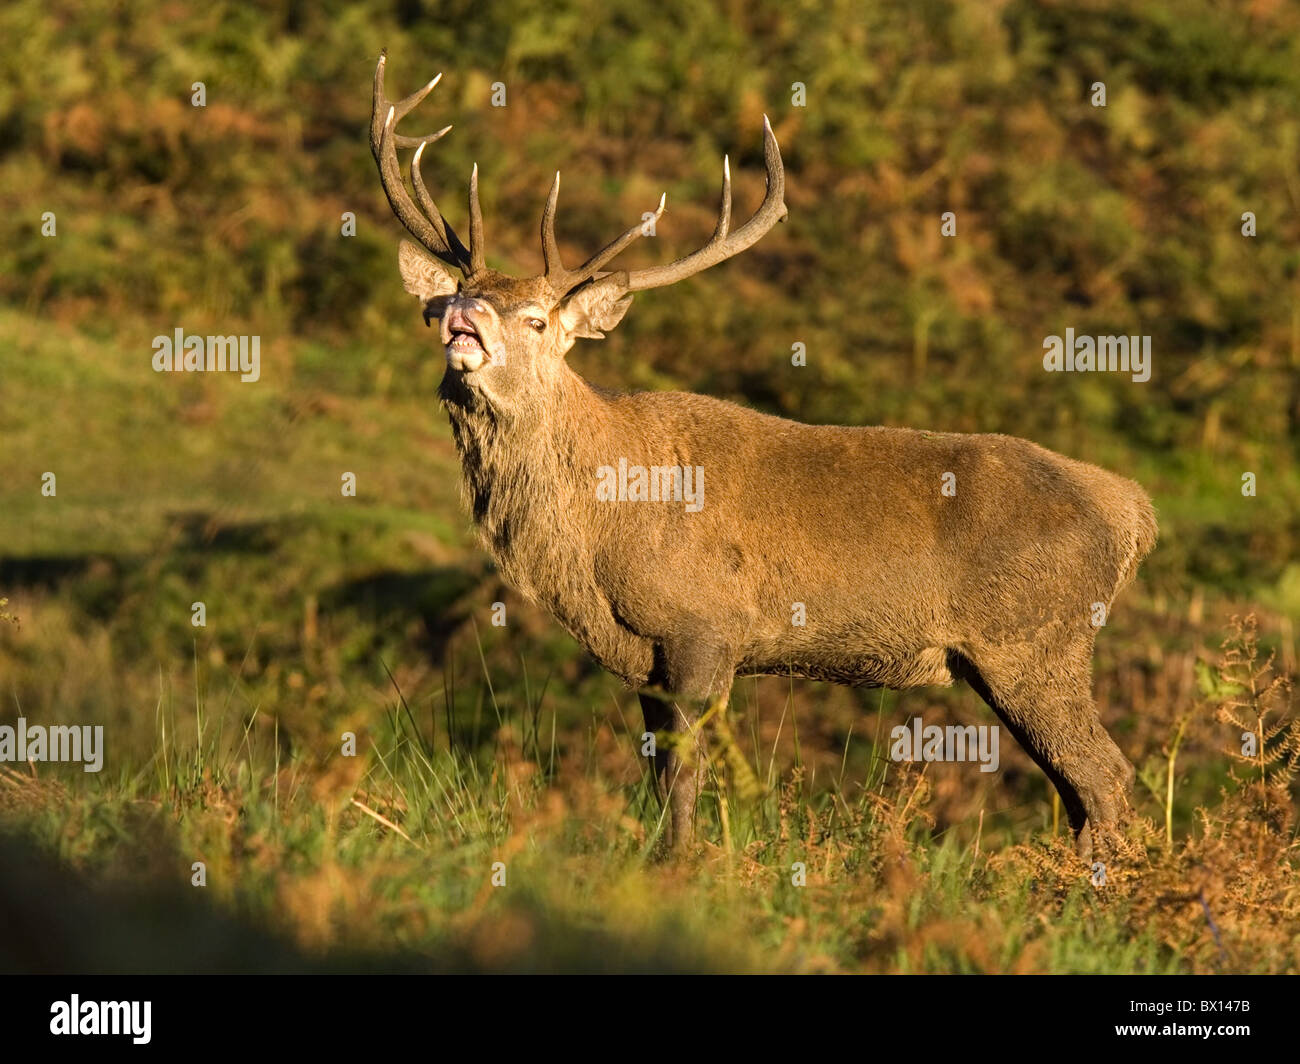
(537, 324)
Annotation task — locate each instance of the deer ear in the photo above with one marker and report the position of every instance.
(423, 275)
(594, 310)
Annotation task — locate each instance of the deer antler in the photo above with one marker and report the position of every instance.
(723, 244)
(562, 280)
(428, 226)
(425, 222)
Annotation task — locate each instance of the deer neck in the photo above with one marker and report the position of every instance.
(527, 480)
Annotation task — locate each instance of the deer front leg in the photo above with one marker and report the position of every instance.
(699, 680)
(679, 763)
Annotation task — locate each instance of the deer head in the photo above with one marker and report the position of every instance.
(505, 336)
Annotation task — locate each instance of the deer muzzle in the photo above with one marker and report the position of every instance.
(463, 339)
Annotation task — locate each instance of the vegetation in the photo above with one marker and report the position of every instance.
(371, 614)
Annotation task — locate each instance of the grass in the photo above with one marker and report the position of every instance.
(476, 830)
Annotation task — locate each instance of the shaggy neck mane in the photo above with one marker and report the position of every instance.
(529, 483)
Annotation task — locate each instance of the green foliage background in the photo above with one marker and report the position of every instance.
(1123, 219)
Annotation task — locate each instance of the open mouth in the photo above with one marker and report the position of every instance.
(465, 348)
(467, 339)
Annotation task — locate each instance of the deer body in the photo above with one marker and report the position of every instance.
(866, 556)
(894, 577)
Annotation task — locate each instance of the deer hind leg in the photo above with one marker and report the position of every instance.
(1046, 703)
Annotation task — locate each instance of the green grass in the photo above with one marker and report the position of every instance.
(313, 879)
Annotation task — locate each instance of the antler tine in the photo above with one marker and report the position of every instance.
(476, 248)
(446, 234)
(724, 210)
(720, 245)
(407, 104)
(553, 268)
(429, 227)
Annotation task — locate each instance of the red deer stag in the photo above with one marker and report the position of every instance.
(901, 582)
